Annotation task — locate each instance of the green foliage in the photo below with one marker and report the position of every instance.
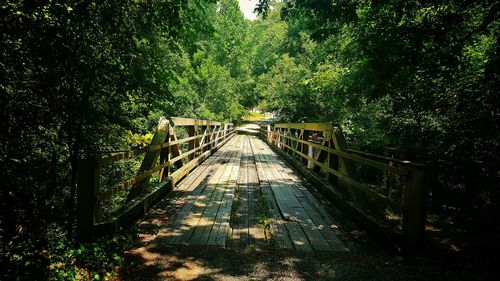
(419, 76)
(136, 140)
(62, 259)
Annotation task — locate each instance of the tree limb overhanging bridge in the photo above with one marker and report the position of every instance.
(227, 187)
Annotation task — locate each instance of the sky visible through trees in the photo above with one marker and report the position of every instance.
(248, 7)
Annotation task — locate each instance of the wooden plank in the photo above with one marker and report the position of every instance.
(319, 216)
(192, 219)
(296, 211)
(286, 200)
(201, 232)
(183, 204)
(150, 159)
(283, 201)
(221, 228)
(306, 126)
(300, 215)
(255, 228)
(88, 181)
(178, 158)
(299, 238)
(386, 158)
(208, 220)
(193, 180)
(240, 234)
(192, 144)
(415, 216)
(350, 170)
(321, 220)
(279, 233)
(175, 229)
(239, 223)
(180, 121)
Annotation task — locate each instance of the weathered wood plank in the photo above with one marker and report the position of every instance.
(319, 216)
(298, 214)
(203, 202)
(299, 238)
(178, 197)
(240, 235)
(175, 229)
(256, 228)
(309, 221)
(279, 233)
(220, 229)
(208, 220)
(150, 159)
(306, 126)
(187, 194)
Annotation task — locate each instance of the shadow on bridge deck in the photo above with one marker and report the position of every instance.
(245, 196)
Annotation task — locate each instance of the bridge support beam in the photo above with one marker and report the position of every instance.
(151, 158)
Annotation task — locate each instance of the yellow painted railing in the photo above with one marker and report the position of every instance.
(320, 151)
(164, 153)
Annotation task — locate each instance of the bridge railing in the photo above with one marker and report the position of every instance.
(320, 152)
(165, 157)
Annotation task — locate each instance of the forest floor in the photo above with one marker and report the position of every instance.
(441, 259)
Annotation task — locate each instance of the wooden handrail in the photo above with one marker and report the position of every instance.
(337, 160)
(350, 181)
(135, 152)
(160, 156)
(366, 161)
(320, 127)
(122, 186)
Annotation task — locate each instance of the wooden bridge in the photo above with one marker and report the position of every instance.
(229, 188)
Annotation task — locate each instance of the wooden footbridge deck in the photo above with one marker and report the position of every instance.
(245, 195)
(232, 189)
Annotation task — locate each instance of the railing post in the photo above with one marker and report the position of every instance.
(225, 133)
(279, 138)
(288, 141)
(269, 134)
(348, 168)
(333, 162)
(414, 215)
(216, 136)
(88, 183)
(192, 131)
(165, 157)
(304, 148)
(210, 134)
(151, 158)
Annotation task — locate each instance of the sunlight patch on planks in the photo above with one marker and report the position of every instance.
(246, 196)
